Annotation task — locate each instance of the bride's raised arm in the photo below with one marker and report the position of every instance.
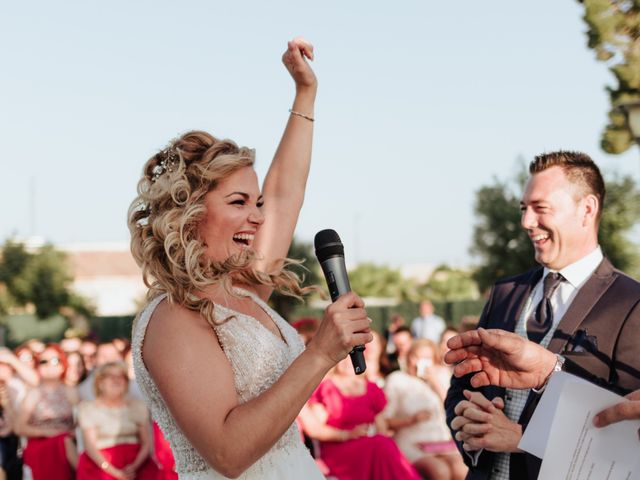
(285, 183)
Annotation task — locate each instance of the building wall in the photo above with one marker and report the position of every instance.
(112, 296)
(107, 275)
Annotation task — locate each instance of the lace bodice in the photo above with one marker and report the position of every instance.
(258, 359)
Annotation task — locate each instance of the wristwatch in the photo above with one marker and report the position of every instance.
(559, 364)
(556, 368)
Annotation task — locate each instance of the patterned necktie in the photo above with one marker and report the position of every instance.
(540, 322)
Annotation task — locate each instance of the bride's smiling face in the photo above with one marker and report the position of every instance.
(234, 215)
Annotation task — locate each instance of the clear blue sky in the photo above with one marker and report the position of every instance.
(420, 104)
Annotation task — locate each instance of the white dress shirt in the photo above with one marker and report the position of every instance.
(430, 327)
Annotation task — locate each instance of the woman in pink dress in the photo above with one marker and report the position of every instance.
(344, 415)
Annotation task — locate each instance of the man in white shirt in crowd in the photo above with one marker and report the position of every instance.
(428, 324)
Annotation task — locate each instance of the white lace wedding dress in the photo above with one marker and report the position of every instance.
(258, 359)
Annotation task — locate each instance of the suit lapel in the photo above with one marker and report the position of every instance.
(582, 304)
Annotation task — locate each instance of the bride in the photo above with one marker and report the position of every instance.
(225, 376)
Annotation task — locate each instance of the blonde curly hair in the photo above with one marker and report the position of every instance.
(164, 223)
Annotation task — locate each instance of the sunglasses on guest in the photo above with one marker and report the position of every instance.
(52, 361)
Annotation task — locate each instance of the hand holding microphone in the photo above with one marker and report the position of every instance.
(330, 253)
(344, 326)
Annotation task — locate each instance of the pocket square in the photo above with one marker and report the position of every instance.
(582, 342)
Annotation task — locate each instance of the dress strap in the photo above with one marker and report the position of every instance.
(253, 296)
(139, 328)
(145, 316)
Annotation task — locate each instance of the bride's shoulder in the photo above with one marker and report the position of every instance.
(168, 311)
(171, 321)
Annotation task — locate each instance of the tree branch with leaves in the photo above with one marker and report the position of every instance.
(614, 34)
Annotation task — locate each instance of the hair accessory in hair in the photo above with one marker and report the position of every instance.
(167, 164)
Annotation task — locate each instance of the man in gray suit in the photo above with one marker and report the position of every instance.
(576, 303)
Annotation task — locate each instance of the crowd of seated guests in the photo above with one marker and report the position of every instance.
(72, 410)
(390, 422)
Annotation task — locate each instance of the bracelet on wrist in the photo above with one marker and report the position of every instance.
(104, 465)
(302, 115)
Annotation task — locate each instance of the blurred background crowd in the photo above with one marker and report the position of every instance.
(72, 409)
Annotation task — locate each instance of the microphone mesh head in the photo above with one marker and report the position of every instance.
(328, 244)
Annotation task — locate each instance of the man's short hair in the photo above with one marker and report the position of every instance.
(579, 168)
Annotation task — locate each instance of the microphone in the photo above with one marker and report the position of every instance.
(330, 253)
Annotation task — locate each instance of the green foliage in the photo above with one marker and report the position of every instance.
(15, 260)
(5, 301)
(370, 280)
(40, 279)
(621, 215)
(48, 278)
(309, 270)
(504, 248)
(499, 241)
(445, 284)
(23, 327)
(614, 33)
(80, 305)
(448, 284)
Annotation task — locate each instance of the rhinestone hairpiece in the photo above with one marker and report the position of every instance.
(168, 164)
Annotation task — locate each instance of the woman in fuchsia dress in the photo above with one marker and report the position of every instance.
(344, 414)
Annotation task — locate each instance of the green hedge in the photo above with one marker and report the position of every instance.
(452, 312)
(19, 328)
